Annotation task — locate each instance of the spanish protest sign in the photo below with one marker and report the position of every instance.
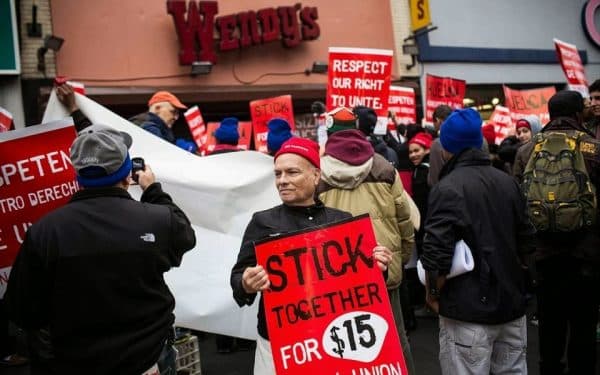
(36, 176)
(195, 122)
(6, 120)
(571, 64)
(327, 308)
(264, 110)
(360, 76)
(443, 90)
(529, 102)
(402, 105)
(502, 121)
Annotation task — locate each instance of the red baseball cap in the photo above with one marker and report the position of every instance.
(165, 96)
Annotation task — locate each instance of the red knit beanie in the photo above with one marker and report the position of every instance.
(306, 148)
(349, 146)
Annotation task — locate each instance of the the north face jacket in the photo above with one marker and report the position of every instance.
(91, 274)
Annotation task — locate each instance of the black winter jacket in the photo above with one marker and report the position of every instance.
(420, 189)
(483, 206)
(91, 274)
(275, 221)
(157, 126)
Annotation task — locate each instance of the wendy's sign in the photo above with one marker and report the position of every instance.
(195, 23)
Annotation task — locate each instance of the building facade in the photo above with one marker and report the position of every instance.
(123, 51)
(510, 42)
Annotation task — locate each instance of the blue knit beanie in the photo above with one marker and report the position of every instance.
(189, 146)
(461, 130)
(279, 132)
(227, 132)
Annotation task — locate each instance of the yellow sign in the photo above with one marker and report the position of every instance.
(419, 14)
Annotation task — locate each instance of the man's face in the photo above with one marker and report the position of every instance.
(167, 113)
(296, 180)
(595, 103)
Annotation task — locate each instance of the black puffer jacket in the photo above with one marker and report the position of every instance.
(483, 206)
(91, 274)
(275, 221)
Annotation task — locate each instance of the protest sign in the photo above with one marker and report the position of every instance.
(36, 176)
(502, 121)
(571, 64)
(195, 122)
(6, 119)
(443, 90)
(264, 110)
(244, 129)
(529, 102)
(360, 76)
(402, 105)
(327, 309)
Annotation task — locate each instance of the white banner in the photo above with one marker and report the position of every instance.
(219, 195)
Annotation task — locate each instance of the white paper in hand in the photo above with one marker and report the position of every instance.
(462, 262)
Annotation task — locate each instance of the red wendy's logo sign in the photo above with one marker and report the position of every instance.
(195, 23)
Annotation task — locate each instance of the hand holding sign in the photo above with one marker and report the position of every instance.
(255, 279)
(66, 96)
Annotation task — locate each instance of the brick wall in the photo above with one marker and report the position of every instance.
(30, 45)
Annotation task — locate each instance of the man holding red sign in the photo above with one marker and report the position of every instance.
(297, 173)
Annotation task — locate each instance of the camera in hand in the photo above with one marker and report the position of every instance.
(137, 164)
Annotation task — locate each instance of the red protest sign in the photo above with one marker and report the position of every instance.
(195, 122)
(529, 102)
(209, 140)
(36, 176)
(327, 309)
(502, 121)
(6, 119)
(265, 109)
(402, 105)
(569, 59)
(360, 76)
(443, 90)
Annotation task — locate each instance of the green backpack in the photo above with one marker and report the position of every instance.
(560, 196)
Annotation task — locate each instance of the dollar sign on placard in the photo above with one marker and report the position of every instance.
(339, 342)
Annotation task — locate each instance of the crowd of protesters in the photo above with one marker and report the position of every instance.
(465, 184)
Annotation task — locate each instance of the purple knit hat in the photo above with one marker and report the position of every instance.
(349, 146)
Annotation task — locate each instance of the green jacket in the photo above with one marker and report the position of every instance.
(374, 188)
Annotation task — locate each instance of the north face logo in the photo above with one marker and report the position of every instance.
(148, 237)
